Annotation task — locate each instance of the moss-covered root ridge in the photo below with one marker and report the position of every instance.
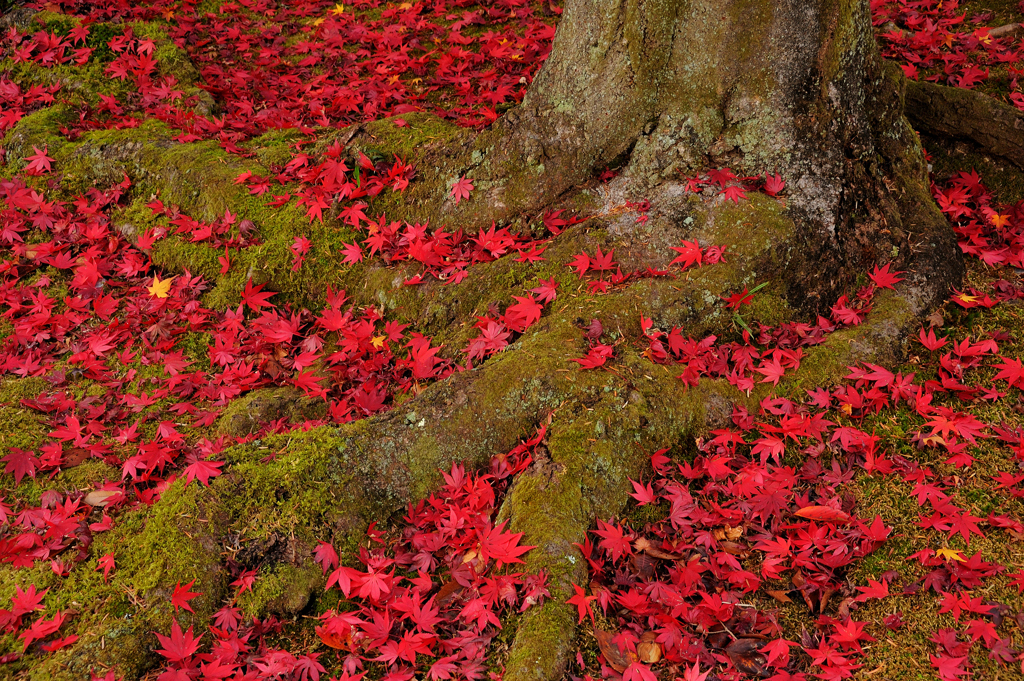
(592, 455)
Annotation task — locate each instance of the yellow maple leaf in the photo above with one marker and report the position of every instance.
(963, 297)
(160, 288)
(1000, 220)
(950, 554)
(337, 9)
(378, 341)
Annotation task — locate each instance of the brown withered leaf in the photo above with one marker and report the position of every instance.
(746, 656)
(734, 549)
(843, 611)
(645, 545)
(825, 595)
(643, 564)
(100, 497)
(74, 457)
(612, 655)
(648, 650)
(448, 591)
(780, 596)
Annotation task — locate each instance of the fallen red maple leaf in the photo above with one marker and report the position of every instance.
(181, 596)
(461, 189)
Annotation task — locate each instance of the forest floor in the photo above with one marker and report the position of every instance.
(871, 528)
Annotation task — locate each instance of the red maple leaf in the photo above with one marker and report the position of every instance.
(597, 356)
(873, 590)
(178, 647)
(582, 602)
(182, 595)
(39, 162)
(203, 470)
(734, 301)
(326, 556)
(580, 263)
(461, 189)
(105, 563)
(546, 291)
(603, 261)
(644, 493)
(929, 340)
(1011, 371)
(254, 299)
(949, 668)
(690, 254)
(773, 184)
(523, 314)
(734, 193)
(21, 463)
(883, 278)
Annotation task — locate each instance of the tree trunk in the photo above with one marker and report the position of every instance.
(669, 88)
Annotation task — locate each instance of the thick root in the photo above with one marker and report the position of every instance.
(996, 127)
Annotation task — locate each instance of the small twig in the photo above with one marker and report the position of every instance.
(1007, 30)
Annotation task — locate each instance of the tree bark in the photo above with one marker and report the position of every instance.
(668, 88)
(996, 127)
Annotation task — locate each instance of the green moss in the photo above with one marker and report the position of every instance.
(281, 589)
(535, 651)
(248, 413)
(35, 130)
(383, 139)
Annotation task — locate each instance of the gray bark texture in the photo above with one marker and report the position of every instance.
(667, 88)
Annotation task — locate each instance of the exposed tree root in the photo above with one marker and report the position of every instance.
(996, 127)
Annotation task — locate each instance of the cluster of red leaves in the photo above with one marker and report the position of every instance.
(672, 590)
(934, 40)
(445, 256)
(739, 520)
(496, 329)
(414, 624)
(736, 522)
(724, 182)
(991, 232)
(23, 605)
(740, 363)
(15, 102)
(425, 600)
(319, 186)
(306, 64)
(609, 272)
(110, 319)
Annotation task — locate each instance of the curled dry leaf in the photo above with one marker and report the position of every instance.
(100, 497)
(649, 650)
(643, 544)
(615, 658)
(734, 549)
(745, 654)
